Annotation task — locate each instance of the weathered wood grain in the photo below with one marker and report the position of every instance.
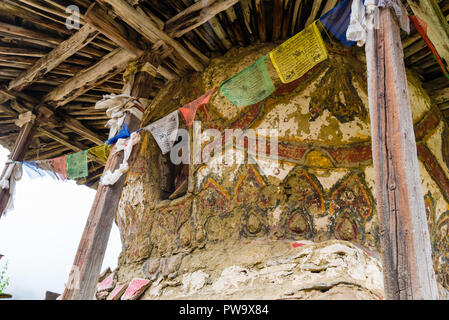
(405, 240)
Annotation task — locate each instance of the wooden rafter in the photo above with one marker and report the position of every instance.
(47, 63)
(203, 12)
(98, 18)
(109, 66)
(145, 26)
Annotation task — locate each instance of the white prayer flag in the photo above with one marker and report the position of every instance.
(165, 131)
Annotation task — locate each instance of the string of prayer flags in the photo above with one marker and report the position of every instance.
(59, 166)
(101, 152)
(76, 165)
(337, 21)
(33, 170)
(293, 58)
(165, 131)
(47, 167)
(123, 134)
(421, 27)
(249, 86)
(190, 109)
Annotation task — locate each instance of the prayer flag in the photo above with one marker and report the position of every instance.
(337, 21)
(293, 58)
(123, 134)
(101, 152)
(77, 165)
(165, 131)
(59, 165)
(421, 27)
(190, 109)
(249, 86)
(33, 170)
(47, 167)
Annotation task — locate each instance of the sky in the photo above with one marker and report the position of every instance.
(39, 238)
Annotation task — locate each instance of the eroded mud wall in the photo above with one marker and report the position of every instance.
(322, 189)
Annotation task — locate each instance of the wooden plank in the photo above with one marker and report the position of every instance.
(89, 257)
(177, 27)
(260, 18)
(405, 240)
(441, 96)
(150, 30)
(437, 26)
(18, 153)
(79, 128)
(47, 63)
(99, 19)
(277, 20)
(44, 39)
(315, 8)
(109, 66)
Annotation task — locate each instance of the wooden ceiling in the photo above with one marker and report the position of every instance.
(44, 63)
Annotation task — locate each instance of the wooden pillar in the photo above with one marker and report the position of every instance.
(18, 153)
(405, 241)
(83, 277)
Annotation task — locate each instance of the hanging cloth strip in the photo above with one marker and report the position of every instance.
(123, 134)
(165, 131)
(59, 166)
(249, 86)
(47, 167)
(357, 23)
(116, 107)
(12, 174)
(190, 109)
(110, 178)
(33, 170)
(337, 21)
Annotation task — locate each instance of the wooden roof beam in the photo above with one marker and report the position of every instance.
(146, 27)
(438, 27)
(100, 20)
(27, 104)
(66, 141)
(47, 63)
(204, 11)
(43, 39)
(109, 66)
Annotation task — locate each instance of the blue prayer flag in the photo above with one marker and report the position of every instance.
(337, 21)
(123, 134)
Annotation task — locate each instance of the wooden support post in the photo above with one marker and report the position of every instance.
(89, 257)
(18, 153)
(405, 240)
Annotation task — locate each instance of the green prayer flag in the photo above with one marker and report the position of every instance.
(249, 86)
(77, 165)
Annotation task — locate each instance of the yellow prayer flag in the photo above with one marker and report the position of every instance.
(293, 58)
(101, 152)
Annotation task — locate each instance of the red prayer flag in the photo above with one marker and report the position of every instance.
(59, 165)
(421, 27)
(190, 109)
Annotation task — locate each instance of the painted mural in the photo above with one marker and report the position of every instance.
(321, 188)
